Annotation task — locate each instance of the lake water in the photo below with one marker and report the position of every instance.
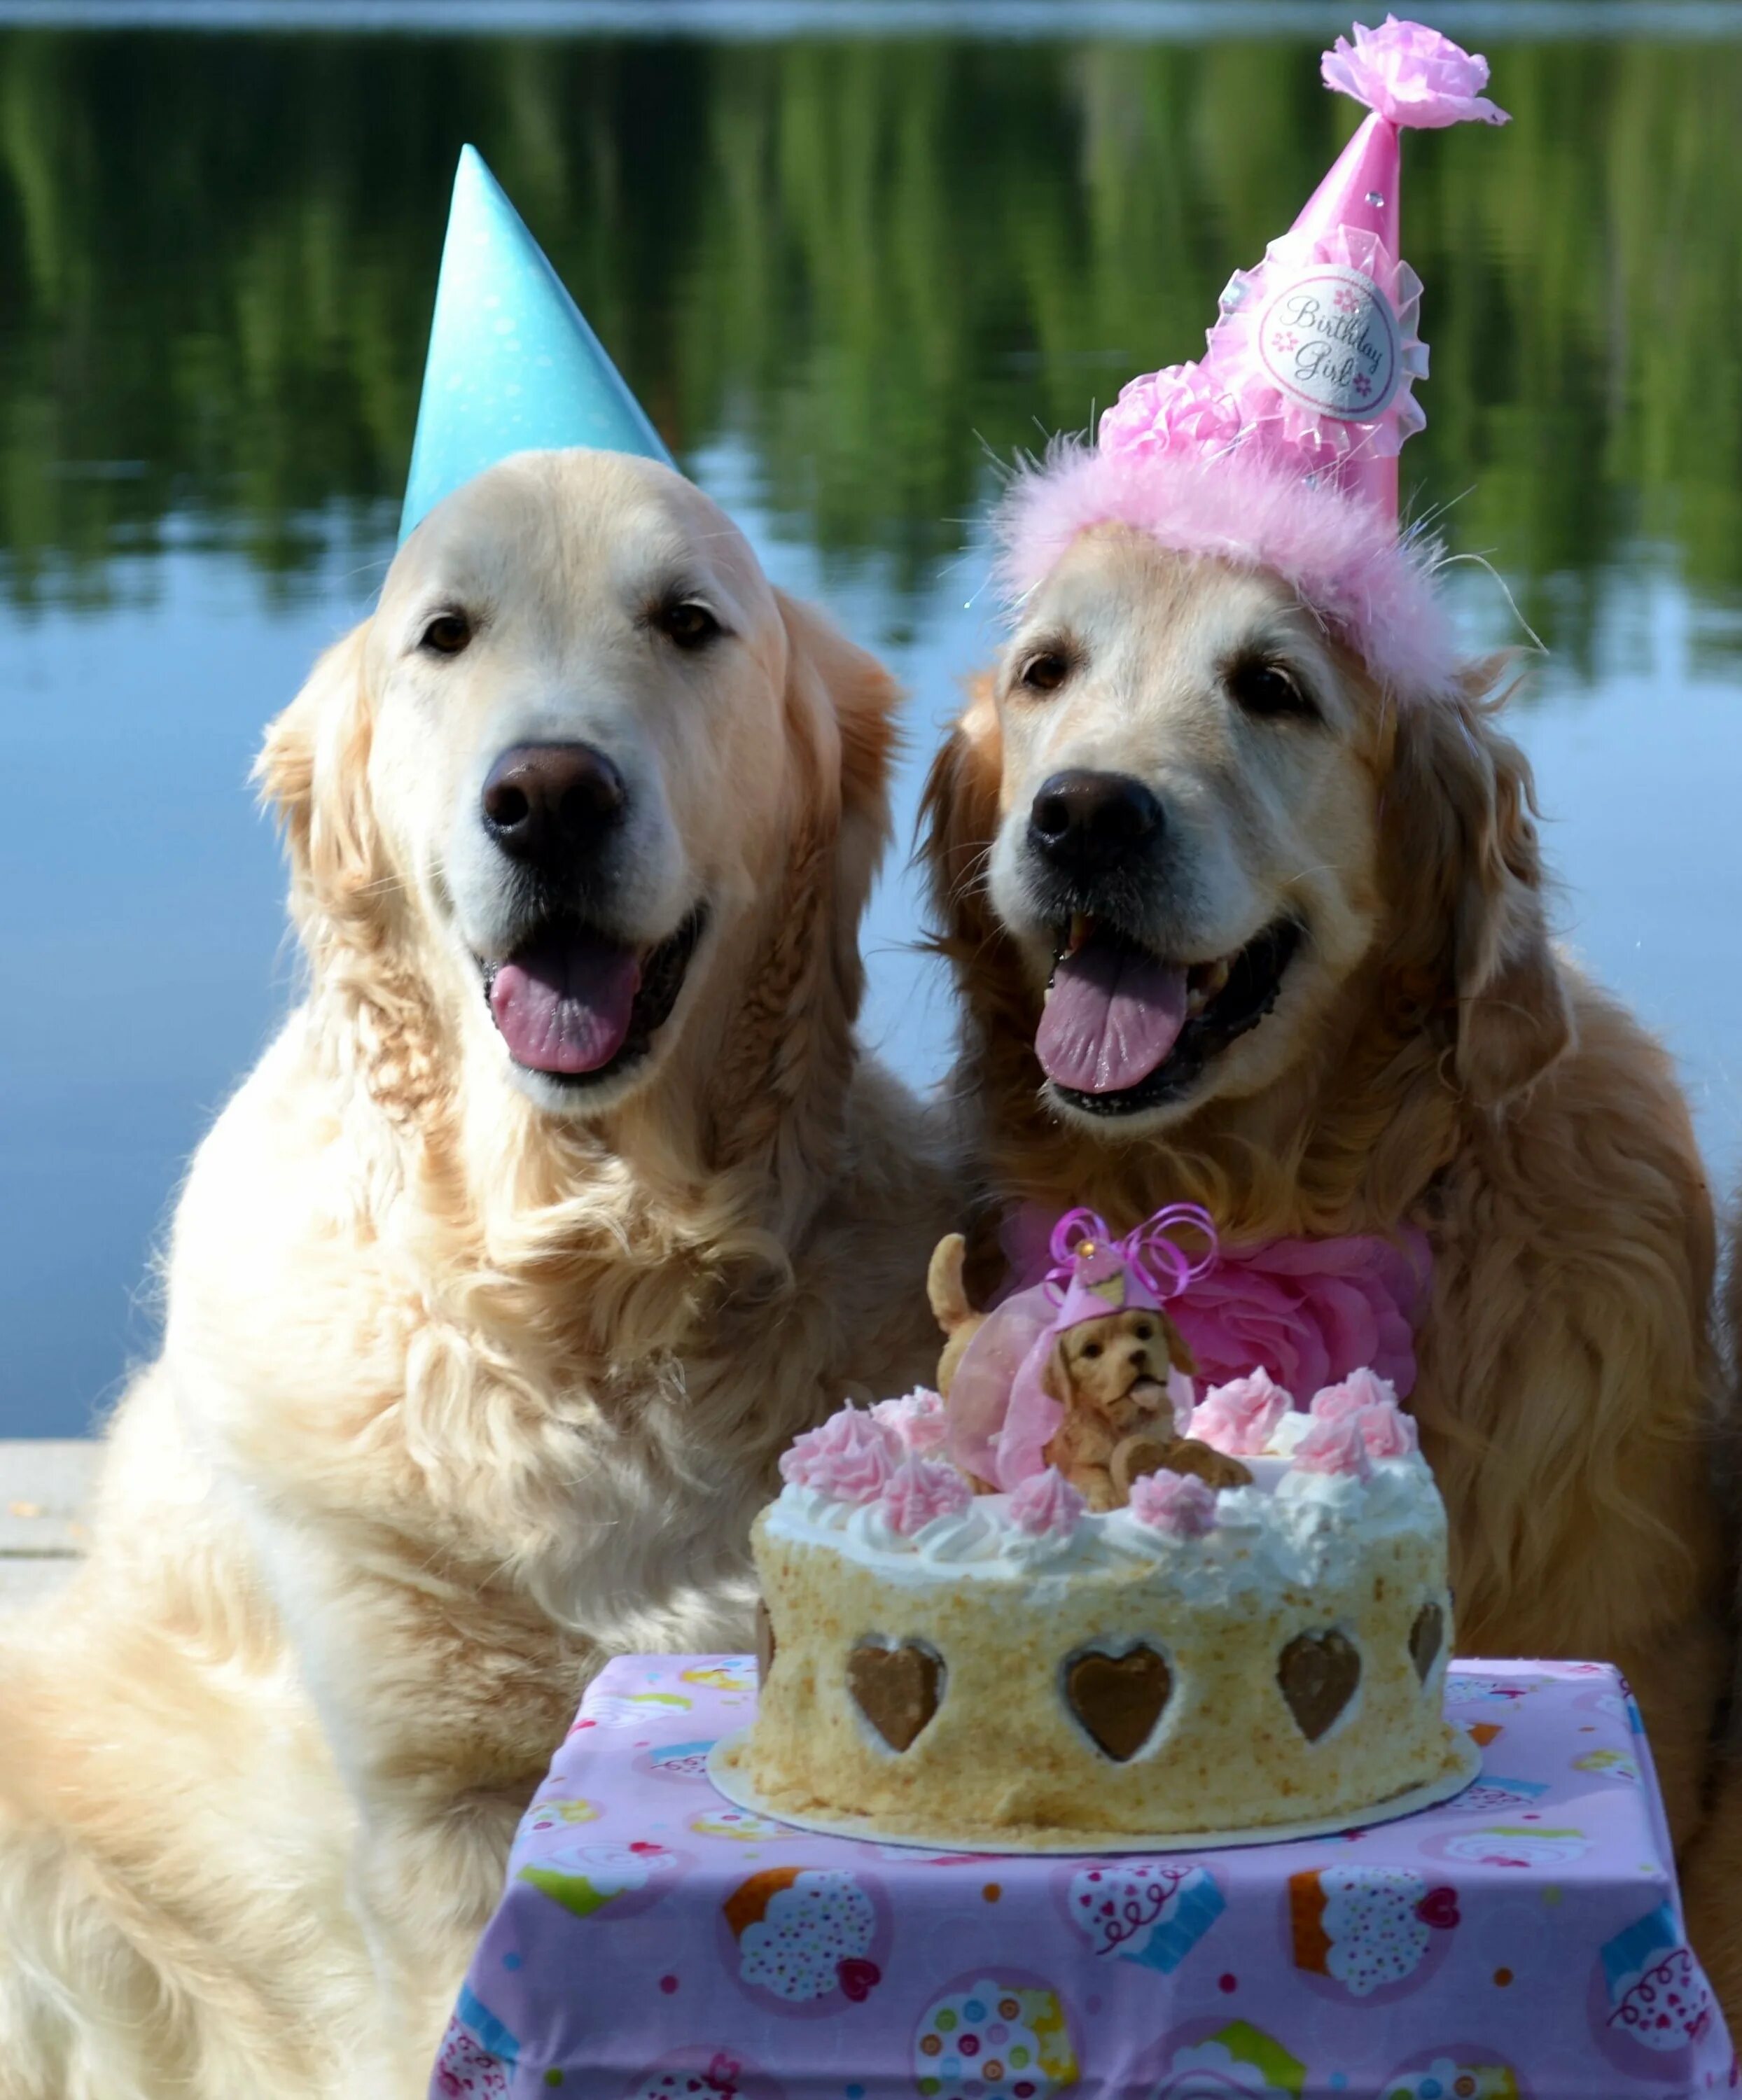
(843, 259)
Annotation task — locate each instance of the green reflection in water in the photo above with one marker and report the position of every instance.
(868, 261)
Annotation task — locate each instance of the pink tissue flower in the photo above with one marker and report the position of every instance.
(1334, 1447)
(1181, 409)
(920, 1491)
(1411, 75)
(847, 1458)
(915, 1423)
(1046, 1506)
(1239, 1416)
(1180, 1504)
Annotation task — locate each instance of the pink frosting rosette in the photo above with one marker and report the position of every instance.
(1179, 1504)
(1238, 1418)
(1388, 1432)
(848, 1457)
(1353, 1395)
(1370, 1403)
(1335, 1448)
(1046, 1505)
(920, 1490)
(915, 1421)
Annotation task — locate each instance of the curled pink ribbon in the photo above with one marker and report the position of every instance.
(1147, 1250)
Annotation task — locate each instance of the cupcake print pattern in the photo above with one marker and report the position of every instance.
(1655, 1994)
(995, 2039)
(1448, 2078)
(1239, 2062)
(1151, 1911)
(805, 1934)
(1365, 1927)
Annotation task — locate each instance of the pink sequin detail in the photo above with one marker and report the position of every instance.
(915, 1423)
(1177, 1503)
(1240, 1416)
(920, 1491)
(1333, 1447)
(1046, 1506)
(847, 1458)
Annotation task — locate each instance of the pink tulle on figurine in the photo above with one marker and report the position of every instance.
(1087, 1371)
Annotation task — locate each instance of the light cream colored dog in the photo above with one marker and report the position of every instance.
(560, 1205)
(1279, 945)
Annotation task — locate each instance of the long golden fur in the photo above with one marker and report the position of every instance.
(460, 1391)
(1432, 1059)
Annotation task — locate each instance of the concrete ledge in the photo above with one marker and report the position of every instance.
(45, 1489)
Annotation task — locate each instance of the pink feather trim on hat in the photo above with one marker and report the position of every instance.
(1347, 562)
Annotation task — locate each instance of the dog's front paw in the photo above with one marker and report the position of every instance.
(1187, 1455)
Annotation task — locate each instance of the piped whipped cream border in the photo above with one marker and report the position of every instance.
(1290, 1529)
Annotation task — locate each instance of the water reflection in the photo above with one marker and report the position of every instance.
(869, 261)
(840, 273)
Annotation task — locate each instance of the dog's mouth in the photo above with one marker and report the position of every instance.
(579, 1006)
(1123, 1029)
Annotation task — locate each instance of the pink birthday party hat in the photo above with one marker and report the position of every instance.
(1279, 447)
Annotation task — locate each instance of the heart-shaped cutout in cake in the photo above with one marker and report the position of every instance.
(1425, 1638)
(1119, 1698)
(897, 1686)
(1317, 1673)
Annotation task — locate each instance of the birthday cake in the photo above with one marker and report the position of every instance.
(1073, 1596)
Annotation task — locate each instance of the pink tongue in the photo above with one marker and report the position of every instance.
(562, 1004)
(1113, 1016)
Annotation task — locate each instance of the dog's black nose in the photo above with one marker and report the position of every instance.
(1086, 823)
(552, 805)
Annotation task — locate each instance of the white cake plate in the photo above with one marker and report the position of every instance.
(734, 1783)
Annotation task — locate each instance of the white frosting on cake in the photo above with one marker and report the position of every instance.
(1290, 1529)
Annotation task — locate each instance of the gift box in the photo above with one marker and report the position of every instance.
(1522, 1942)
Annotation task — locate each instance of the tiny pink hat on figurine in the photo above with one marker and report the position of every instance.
(1278, 448)
(1001, 1416)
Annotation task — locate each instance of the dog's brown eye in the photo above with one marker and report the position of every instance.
(1046, 672)
(689, 625)
(1263, 688)
(446, 635)
(1091, 1348)
(1144, 1332)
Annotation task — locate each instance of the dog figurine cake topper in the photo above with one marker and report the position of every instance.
(1089, 1372)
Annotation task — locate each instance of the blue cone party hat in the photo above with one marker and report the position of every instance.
(513, 366)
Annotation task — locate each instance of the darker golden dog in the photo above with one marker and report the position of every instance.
(1374, 1031)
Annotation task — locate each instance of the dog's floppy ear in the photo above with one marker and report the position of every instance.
(1056, 1381)
(313, 771)
(841, 708)
(797, 1018)
(958, 820)
(1461, 811)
